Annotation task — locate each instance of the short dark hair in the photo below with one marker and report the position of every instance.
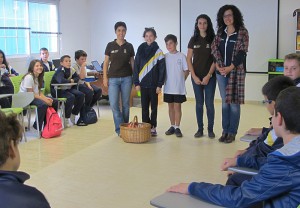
(80, 53)
(238, 19)
(287, 104)
(63, 57)
(120, 24)
(149, 29)
(11, 130)
(43, 49)
(275, 85)
(171, 37)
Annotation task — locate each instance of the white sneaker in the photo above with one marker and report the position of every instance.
(72, 118)
(67, 123)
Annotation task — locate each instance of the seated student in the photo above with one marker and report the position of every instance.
(278, 180)
(92, 92)
(32, 82)
(13, 191)
(292, 67)
(47, 65)
(6, 86)
(266, 142)
(64, 74)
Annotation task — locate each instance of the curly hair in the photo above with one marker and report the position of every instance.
(238, 19)
(11, 130)
(210, 33)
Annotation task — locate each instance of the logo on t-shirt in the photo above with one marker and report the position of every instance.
(125, 50)
(114, 51)
(179, 62)
(207, 46)
(197, 46)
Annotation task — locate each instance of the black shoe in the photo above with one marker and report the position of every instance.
(170, 131)
(211, 134)
(230, 138)
(222, 138)
(198, 134)
(81, 123)
(178, 132)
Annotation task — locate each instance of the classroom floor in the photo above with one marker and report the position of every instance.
(92, 167)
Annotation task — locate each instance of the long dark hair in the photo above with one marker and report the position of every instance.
(4, 59)
(238, 19)
(210, 33)
(30, 71)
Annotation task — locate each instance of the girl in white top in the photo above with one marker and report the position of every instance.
(32, 82)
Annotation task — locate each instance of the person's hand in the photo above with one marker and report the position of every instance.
(205, 80)
(180, 188)
(254, 131)
(89, 86)
(229, 173)
(72, 80)
(196, 80)
(228, 162)
(84, 64)
(238, 153)
(158, 90)
(48, 101)
(2, 66)
(105, 81)
(11, 75)
(96, 74)
(138, 88)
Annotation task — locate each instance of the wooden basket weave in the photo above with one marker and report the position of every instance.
(140, 134)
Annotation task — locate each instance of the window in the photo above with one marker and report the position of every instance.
(27, 26)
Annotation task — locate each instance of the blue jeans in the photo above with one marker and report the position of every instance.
(119, 87)
(205, 93)
(230, 112)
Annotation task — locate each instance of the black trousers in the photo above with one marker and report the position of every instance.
(6, 102)
(91, 96)
(74, 103)
(149, 98)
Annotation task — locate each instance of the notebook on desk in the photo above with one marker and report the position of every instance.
(97, 66)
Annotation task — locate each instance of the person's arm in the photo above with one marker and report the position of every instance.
(82, 71)
(189, 58)
(59, 77)
(105, 70)
(75, 76)
(209, 74)
(161, 66)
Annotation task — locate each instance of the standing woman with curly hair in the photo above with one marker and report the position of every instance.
(229, 49)
(202, 68)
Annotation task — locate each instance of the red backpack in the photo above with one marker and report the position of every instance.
(53, 126)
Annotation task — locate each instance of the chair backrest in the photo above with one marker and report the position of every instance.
(47, 81)
(16, 81)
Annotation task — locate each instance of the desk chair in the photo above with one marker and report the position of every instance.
(47, 90)
(176, 200)
(16, 81)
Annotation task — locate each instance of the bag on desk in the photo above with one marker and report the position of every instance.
(90, 115)
(53, 126)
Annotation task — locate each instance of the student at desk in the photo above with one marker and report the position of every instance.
(278, 180)
(75, 99)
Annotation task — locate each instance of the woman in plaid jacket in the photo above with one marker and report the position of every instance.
(229, 49)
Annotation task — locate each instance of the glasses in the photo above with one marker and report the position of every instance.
(267, 101)
(227, 16)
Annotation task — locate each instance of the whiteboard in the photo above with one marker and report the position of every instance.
(260, 18)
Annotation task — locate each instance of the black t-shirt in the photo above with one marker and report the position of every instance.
(119, 57)
(202, 59)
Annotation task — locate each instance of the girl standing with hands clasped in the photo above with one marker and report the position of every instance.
(202, 68)
(149, 76)
(229, 49)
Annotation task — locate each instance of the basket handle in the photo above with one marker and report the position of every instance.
(135, 119)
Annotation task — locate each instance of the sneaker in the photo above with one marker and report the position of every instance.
(72, 118)
(211, 134)
(223, 138)
(230, 138)
(178, 132)
(67, 123)
(170, 131)
(198, 134)
(153, 132)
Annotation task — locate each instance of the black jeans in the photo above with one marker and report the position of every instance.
(91, 96)
(149, 98)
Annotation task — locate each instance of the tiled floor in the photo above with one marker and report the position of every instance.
(92, 167)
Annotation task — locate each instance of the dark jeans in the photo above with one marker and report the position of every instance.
(6, 102)
(205, 93)
(42, 110)
(149, 97)
(91, 96)
(74, 98)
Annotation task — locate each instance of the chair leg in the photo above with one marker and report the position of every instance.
(37, 122)
(63, 114)
(29, 118)
(98, 108)
(24, 133)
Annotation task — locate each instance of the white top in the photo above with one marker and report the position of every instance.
(176, 65)
(28, 83)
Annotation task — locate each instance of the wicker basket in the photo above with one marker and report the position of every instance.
(140, 134)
